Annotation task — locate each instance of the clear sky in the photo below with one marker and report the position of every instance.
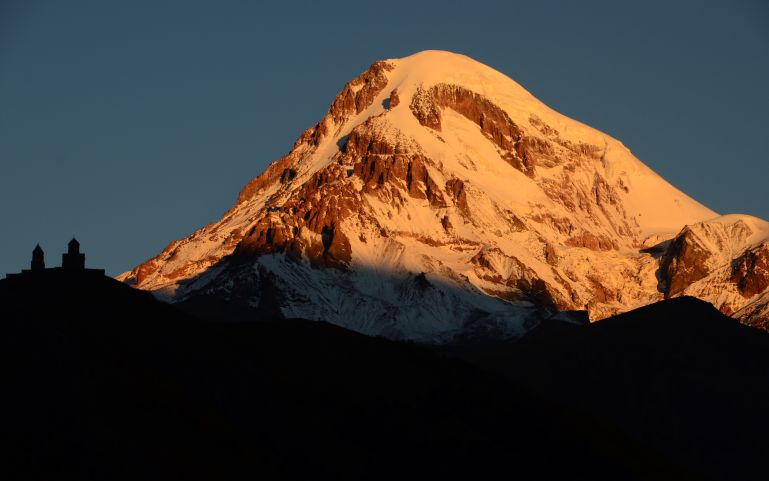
(133, 123)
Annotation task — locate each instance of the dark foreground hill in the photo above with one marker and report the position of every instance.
(677, 375)
(104, 382)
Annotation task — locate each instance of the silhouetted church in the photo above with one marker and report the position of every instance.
(72, 262)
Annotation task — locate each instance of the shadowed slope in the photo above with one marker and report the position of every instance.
(677, 375)
(107, 383)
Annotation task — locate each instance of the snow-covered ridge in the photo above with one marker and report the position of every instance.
(752, 230)
(724, 260)
(436, 180)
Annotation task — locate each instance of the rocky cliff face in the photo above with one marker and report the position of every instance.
(437, 198)
(724, 261)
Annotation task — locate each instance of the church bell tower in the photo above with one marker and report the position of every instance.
(73, 259)
(38, 259)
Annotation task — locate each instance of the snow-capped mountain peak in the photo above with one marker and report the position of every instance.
(438, 198)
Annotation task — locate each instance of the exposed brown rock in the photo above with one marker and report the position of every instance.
(320, 206)
(543, 127)
(593, 200)
(536, 151)
(589, 150)
(565, 193)
(336, 247)
(380, 162)
(273, 173)
(538, 292)
(563, 225)
(482, 259)
(355, 97)
(313, 135)
(360, 92)
(604, 193)
(579, 149)
(455, 188)
(446, 223)
(526, 284)
(750, 271)
(492, 120)
(600, 294)
(591, 241)
(149, 267)
(143, 271)
(287, 175)
(425, 109)
(516, 223)
(394, 99)
(684, 263)
(551, 257)
(183, 271)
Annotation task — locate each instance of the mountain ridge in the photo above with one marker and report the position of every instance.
(118, 385)
(662, 372)
(439, 168)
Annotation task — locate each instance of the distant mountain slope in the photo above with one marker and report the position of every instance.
(724, 261)
(436, 188)
(677, 375)
(107, 383)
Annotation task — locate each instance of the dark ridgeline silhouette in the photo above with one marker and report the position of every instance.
(677, 375)
(72, 263)
(107, 382)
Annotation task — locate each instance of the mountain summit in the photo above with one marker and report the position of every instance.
(437, 198)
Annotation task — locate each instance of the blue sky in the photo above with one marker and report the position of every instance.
(130, 124)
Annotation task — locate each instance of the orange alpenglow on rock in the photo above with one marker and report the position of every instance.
(437, 197)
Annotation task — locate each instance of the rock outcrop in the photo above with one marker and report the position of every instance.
(724, 261)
